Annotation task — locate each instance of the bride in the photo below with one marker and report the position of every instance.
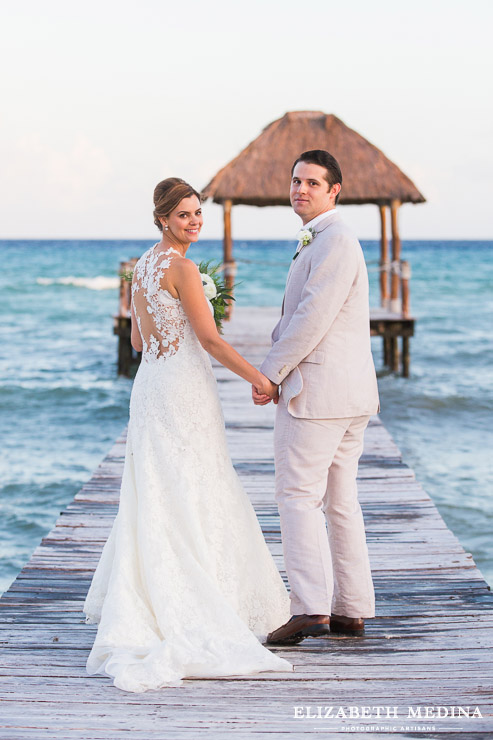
(185, 584)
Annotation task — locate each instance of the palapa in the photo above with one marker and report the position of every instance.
(260, 174)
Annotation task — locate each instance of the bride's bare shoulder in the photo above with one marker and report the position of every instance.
(184, 267)
(184, 276)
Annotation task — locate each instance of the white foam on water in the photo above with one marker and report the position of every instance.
(96, 283)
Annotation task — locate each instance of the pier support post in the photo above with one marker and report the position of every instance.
(394, 354)
(386, 351)
(384, 258)
(125, 354)
(406, 358)
(395, 303)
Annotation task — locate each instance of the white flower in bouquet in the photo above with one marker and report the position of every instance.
(215, 291)
(210, 289)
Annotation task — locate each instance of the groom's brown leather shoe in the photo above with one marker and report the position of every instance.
(299, 627)
(354, 626)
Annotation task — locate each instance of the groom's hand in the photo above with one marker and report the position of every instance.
(269, 391)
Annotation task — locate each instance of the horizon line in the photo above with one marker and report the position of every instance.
(220, 239)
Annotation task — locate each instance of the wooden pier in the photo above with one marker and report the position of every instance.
(392, 326)
(429, 645)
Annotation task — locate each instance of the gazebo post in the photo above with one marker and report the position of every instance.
(384, 258)
(395, 304)
(229, 265)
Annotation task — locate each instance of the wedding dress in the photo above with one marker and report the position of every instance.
(185, 583)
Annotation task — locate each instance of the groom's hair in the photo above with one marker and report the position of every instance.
(333, 172)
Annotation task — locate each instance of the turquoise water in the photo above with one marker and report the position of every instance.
(62, 405)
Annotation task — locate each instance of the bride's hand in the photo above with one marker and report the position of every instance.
(264, 391)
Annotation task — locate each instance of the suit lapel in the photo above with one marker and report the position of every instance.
(321, 226)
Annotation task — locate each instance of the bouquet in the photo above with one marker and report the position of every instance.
(215, 291)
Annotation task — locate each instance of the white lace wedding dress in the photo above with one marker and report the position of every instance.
(185, 580)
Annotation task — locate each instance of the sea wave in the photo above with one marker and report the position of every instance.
(96, 283)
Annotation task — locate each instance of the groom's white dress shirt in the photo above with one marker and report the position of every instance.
(320, 217)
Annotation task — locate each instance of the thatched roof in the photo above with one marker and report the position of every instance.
(260, 174)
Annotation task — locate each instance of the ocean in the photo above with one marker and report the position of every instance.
(62, 404)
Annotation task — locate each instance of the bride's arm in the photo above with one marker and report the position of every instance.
(185, 278)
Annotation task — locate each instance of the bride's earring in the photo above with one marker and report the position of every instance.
(166, 228)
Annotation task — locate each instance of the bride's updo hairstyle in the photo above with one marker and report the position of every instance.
(167, 194)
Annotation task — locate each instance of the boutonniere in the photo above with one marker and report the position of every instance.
(305, 236)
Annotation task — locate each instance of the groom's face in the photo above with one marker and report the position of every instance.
(310, 194)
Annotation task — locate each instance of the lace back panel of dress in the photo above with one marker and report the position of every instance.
(160, 317)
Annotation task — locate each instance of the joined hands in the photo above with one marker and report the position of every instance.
(264, 392)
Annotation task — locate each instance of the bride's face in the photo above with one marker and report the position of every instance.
(186, 220)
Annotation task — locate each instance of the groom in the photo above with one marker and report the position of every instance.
(321, 358)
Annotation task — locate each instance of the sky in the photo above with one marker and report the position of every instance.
(100, 100)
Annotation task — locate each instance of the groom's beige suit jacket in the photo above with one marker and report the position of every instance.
(321, 353)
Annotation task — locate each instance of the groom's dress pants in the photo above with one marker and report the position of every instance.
(316, 467)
